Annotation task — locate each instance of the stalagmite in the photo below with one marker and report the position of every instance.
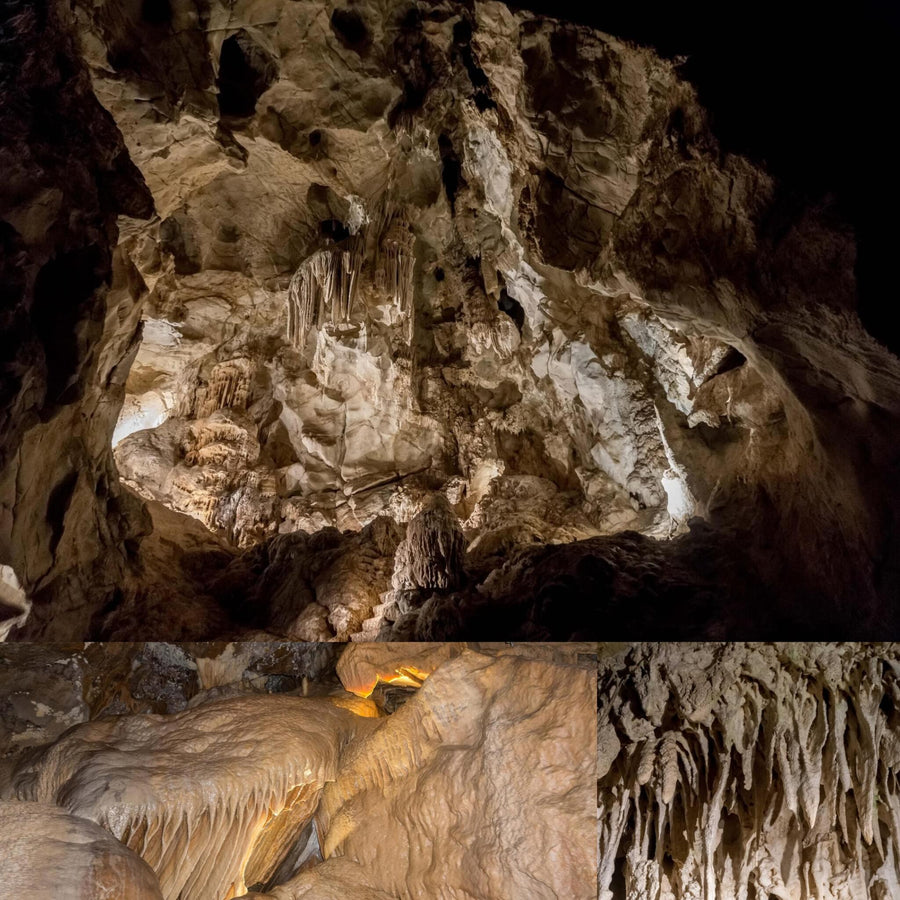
(197, 795)
(432, 554)
(734, 772)
(46, 853)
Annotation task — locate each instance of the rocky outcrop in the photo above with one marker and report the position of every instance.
(195, 795)
(488, 262)
(44, 852)
(502, 745)
(46, 689)
(742, 770)
(363, 666)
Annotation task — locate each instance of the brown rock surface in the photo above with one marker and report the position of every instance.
(193, 793)
(44, 852)
(362, 666)
(486, 738)
(728, 770)
(480, 784)
(463, 276)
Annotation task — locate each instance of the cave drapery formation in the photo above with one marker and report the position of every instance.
(749, 772)
(410, 784)
(328, 276)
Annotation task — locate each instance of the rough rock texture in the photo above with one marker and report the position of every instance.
(294, 796)
(44, 852)
(430, 804)
(401, 253)
(70, 320)
(196, 794)
(362, 666)
(740, 771)
(46, 689)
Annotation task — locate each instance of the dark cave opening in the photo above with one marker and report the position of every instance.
(350, 27)
(246, 70)
(156, 12)
(512, 308)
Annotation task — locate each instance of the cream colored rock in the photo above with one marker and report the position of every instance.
(45, 852)
(482, 739)
(197, 795)
(749, 767)
(294, 796)
(362, 666)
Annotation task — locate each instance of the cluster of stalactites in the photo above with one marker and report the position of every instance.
(228, 388)
(324, 286)
(397, 258)
(746, 776)
(210, 809)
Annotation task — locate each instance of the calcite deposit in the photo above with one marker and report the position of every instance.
(45, 852)
(480, 784)
(739, 771)
(334, 321)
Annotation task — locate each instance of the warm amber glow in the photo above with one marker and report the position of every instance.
(409, 676)
(294, 793)
(359, 706)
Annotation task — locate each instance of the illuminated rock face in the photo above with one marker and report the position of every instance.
(45, 852)
(747, 771)
(363, 666)
(487, 256)
(292, 796)
(197, 795)
(484, 738)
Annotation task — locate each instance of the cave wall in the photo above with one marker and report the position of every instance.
(416, 787)
(607, 324)
(70, 320)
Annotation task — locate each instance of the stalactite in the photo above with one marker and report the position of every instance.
(741, 771)
(197, 795)
(326, 284)
(305, 297)
(228, 388)
(397, 257)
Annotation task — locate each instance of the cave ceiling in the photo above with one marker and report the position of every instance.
(420, 321)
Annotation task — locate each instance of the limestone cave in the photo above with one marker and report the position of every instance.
(283, 770)
(330, 321)
(748, 771)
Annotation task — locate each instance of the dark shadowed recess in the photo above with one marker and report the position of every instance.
(806, 88)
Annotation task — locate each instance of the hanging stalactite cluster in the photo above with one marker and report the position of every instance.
(397, 257)
(196, 795)
(325, 286)
(228, 388)
(749, 772)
